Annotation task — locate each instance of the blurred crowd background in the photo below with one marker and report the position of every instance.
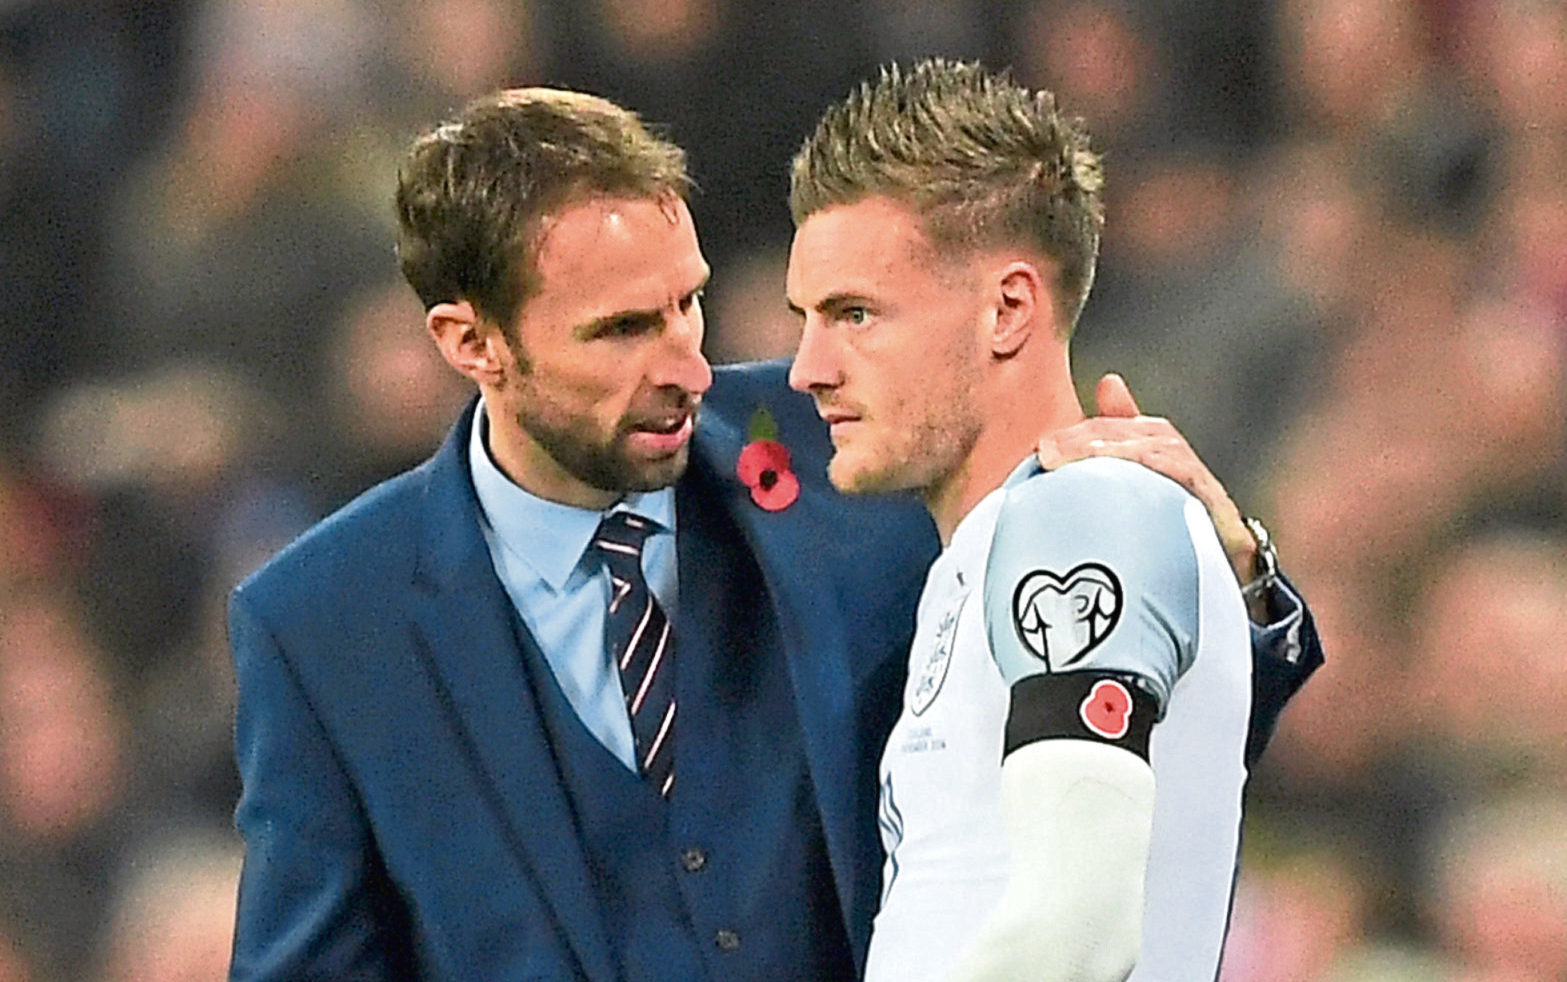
(1336, 256)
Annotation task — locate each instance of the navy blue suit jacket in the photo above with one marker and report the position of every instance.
(402, 808)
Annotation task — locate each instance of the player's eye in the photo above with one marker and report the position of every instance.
(692, 299)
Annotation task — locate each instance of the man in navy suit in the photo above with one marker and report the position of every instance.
(446, 774)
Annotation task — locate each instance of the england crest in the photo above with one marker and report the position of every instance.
(929, 669)
(1061, 618)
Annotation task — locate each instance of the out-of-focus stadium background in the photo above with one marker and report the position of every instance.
(1336, 256)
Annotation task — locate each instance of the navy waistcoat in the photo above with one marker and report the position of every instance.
(729, 880)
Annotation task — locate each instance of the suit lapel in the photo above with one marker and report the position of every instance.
(815, 645)
(819, 652)
(471, 640)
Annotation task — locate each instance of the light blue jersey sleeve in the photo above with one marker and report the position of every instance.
(1092, 568)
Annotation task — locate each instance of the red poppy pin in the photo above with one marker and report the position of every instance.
(764, 465)
(1108, 709)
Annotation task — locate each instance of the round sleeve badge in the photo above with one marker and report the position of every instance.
(1108, 709)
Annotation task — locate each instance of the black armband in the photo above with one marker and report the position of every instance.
(1107, 707)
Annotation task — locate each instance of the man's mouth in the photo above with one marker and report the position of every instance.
(837, 419)
(662, 416)
(662, 424)
(663, 433)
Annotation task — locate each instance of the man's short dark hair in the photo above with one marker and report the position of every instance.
(471, 194)
(984, 160)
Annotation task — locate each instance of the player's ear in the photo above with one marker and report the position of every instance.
(466, 343)
(1023, 308)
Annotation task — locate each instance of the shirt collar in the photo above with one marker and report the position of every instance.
(1026, 468)
(549, 537)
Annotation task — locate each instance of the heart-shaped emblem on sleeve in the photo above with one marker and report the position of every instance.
(1062, 618)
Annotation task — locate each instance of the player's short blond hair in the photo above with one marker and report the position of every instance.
(984, 160)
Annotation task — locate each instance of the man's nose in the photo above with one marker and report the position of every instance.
(812, 368)
(680, 360)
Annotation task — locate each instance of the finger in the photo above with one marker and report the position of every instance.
(1050, 455)
(1140, 451)
(1058, 450)
(1089, 444)
(1062, 454)
(1114, 397)
(1115, 429)
(1170, 456)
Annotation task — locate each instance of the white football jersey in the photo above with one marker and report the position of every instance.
(1100, 566)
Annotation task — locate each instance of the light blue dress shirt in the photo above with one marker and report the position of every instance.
(539, 549)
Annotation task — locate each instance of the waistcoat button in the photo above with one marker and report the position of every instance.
(692, 859)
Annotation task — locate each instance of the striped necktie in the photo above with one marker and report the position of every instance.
(638, 637)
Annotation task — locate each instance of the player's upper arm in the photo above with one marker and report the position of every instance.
(1091, 601)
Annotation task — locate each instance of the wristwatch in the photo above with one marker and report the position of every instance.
(1266, 570)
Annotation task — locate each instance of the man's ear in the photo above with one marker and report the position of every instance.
(1023, 307)
(465, 341)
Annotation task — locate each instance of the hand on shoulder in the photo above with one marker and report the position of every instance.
(1153, 441)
